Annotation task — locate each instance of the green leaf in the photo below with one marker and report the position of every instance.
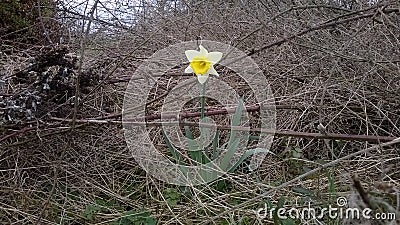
(253, 137)
(172, 196)
(281, 202)
(246, 155)
(174, 152)
(132, 217)
(233, 141)
(297, 153)
(288, 221)
(150, 221)
(304, 191)
(194, 149)
(101, 202)
(269, 203)
(89, 212)
(222, 185)
(215, 145)
(188, 133)
(205, 135)
(128, 218)
(232, 146)
(332, 186)
(237, 117)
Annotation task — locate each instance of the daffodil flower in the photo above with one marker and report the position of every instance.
(202, 63)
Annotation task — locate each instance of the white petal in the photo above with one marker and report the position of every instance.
(203, 51)
(212, 71)
(188, 70)
(214, 57)
(190, 54)
(202, 78)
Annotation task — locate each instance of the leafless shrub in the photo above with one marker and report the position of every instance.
(334, 63)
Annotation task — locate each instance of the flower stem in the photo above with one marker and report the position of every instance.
(203, 100)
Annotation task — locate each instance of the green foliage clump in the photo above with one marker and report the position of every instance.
(20, 17)
(15, 14)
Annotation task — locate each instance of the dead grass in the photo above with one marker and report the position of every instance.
(345, 77)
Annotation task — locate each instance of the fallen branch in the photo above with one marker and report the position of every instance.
(23, 130)
(208, 112)
(330, 136)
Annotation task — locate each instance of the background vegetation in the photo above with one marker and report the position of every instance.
(65, 66)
